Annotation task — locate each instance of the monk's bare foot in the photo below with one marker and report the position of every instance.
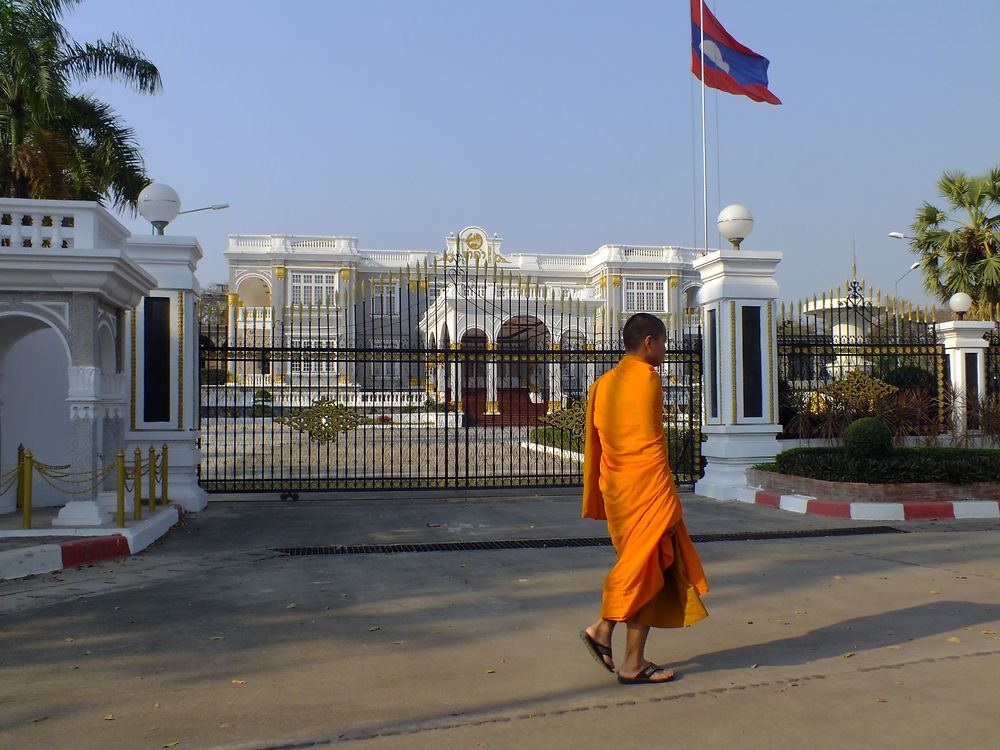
(602, 642)
(650, 673)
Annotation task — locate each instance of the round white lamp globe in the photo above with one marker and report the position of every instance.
(159, 204)
(960, 302)
(735, 223)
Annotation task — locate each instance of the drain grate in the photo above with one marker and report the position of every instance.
(595, 541)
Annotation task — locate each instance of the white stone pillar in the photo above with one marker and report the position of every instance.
(965, 346)
(232, 309)
(492, 403)
(171, 260)
(739, 366)
(555, 368)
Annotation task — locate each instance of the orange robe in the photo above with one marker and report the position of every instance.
(627, 482)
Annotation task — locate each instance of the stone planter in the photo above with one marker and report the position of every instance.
(786, 484)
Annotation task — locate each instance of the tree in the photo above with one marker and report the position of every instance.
(55, 143)
(960, 251)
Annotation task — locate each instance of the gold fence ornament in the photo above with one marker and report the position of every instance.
(324, 420)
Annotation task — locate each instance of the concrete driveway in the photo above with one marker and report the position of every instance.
(212, 639)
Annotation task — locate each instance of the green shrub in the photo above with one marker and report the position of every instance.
(946, 465)
(867, 437)
(911, 378)
(213, 376)
(556, 438)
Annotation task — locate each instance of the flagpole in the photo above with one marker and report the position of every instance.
(704, 144)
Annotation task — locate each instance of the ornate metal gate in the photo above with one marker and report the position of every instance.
(453, 374)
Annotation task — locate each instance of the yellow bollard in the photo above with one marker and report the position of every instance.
(137, 485)
(152, 480)
(27, 469)
(120, 509)
(137, 475)
(20, 476)
(164, 497)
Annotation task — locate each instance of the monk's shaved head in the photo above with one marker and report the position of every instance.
(639, 326)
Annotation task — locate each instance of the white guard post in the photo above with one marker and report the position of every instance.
(965, 345)
(739, 366)
(161, 348)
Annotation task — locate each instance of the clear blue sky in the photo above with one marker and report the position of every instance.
(559, 124)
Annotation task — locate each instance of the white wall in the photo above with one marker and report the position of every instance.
(33, 390)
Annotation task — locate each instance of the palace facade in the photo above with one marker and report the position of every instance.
(315, 294)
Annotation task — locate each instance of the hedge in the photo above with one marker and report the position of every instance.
(947, 465)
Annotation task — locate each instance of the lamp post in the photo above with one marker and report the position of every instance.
(735, 223)
(895, 287)
(159, 204)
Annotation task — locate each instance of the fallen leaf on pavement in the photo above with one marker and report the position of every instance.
(933, 591)
(224, 725)
(989, 632)
(954, 639)
(293, 605)
(849, 654)
(374, 628)
(239, 682)
(216, 638)
(880, 700)
(490, 671)
(109, 717)
(172, 743)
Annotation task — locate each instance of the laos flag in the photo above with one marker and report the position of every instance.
(729, 66)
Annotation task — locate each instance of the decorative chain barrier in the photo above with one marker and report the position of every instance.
(85, 482)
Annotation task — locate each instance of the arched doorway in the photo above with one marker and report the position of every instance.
(522, 373)
(473, 374)
(34, 385)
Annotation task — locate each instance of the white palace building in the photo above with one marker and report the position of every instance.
(583, 296)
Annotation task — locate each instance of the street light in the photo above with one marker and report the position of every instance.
(213, 207)
(159, 204)
(900, 236)
(895, 287)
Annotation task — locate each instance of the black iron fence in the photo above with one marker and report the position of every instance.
(459, 374)
(843, 355)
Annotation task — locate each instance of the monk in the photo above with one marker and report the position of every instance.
(627, 481)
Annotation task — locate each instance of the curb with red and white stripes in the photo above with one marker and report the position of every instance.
(868, 511)
(97, 545)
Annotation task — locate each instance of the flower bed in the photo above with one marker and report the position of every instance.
(788, 484)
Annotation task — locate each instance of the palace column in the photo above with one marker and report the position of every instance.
(492, 403)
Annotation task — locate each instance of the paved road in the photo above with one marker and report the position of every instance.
(211, 639)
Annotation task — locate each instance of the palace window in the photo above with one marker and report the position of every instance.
(313, 356)
(645, 295)
(385, 298)
(314, 288)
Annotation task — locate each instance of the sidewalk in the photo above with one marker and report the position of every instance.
(45, 548)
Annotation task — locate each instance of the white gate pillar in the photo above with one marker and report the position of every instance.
(162, 355)
(965, 346)
(739, 366)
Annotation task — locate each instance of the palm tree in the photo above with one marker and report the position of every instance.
(55, 143)
(960, 252)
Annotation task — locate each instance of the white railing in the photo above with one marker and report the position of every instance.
(40, 225)
(260, 317)
(388, 257)
(564, 261)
